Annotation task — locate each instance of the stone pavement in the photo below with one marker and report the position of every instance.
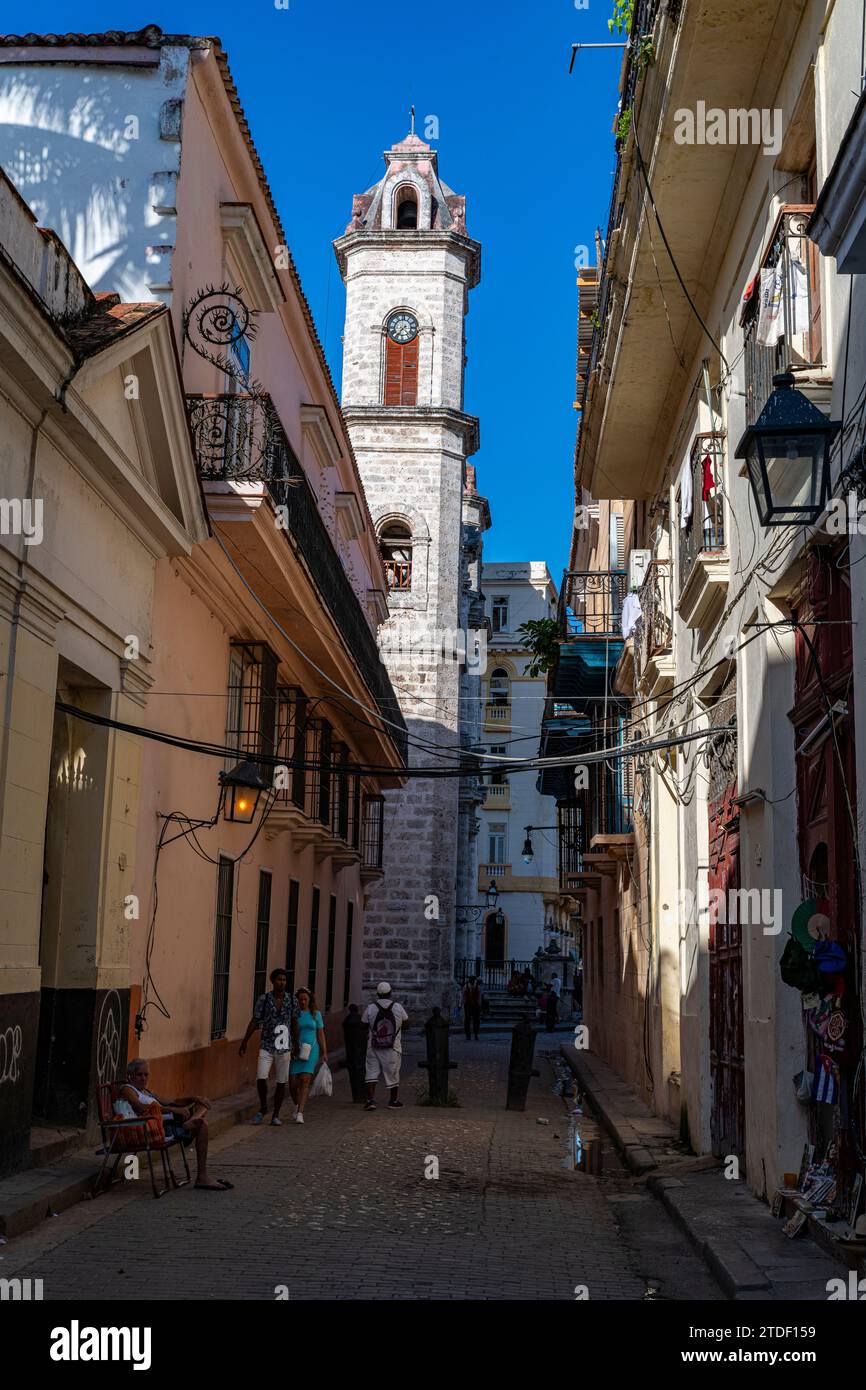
(340, 1208)
(735, 1233)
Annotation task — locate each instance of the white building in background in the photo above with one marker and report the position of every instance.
(513, 708)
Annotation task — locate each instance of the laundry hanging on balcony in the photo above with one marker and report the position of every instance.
(784, 301)
(770, 326)
(630, 613)
(686, 495)
(708, 485)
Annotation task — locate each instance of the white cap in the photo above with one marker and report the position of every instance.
(383, 988)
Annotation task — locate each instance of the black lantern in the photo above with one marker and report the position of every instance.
(241, 789)
(499, 919)
(527, 849)
(492, 895)
(787, 453)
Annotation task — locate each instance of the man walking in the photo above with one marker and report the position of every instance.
(277, 1016)
(472, 1006)
(554, 990)
(386, 1020)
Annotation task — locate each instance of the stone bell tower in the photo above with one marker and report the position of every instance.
(408, 266)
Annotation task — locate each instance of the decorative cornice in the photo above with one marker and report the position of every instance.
(412, 241)
(466, 425)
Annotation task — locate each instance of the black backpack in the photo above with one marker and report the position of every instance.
(383, 1033)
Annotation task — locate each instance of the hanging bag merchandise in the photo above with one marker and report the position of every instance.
(798, 969)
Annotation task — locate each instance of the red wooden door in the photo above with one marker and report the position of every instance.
(727, 1118)
(826, 806)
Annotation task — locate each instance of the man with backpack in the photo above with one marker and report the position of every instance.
(472, 1007)
(386, 1020)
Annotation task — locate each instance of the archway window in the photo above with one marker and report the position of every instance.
(407, 210)
(500, 686)
(395, 542)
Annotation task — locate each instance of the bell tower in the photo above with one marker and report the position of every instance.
(408, 266)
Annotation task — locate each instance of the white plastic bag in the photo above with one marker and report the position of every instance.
(323, 1082)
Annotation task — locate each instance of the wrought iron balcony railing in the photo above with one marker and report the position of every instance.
(239, 438)
(571, 843)
(701, 521)
(590, 603)
(782, 316)
(654, 629)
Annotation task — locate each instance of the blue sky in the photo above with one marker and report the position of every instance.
(327, 86)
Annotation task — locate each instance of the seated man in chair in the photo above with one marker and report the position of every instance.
(183, 1119)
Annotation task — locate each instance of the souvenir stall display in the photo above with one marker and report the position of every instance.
(816, 965)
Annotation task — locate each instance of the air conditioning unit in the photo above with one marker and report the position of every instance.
(638, 564)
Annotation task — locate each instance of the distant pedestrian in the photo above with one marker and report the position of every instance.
(277, 1016)
(386, 1019)
(472, 1007)
(312, 1045)
(551, 1002)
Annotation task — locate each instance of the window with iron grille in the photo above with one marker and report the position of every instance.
(340, 797)
(251, 724)
(222, 948)
(291, 716)
(312, 734)
(325, 772)
(332, 946)
(314, 942)
(263, 931)
(347, 964)
(292, 933)
(374, 817)
(570, 840)
(355, 811)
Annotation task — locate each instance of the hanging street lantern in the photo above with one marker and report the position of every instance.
(492, 895)
(240, 792)
(787, 454)
(527, 849)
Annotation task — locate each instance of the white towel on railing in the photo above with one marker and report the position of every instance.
(686, 494)
(630, 613)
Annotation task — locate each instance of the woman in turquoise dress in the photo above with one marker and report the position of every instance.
(311, 1030)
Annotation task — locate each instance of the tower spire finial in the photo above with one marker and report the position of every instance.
(412, 110)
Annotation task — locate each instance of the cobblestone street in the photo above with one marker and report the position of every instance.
(341, 1208)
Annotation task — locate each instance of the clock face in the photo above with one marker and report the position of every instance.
(402, 327)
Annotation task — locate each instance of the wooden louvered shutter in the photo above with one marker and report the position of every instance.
(401, 372)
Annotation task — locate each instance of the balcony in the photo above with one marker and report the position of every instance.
(635, 371)
(372, 839)
(497, 715)
(590, 604)
(703, 557)
(496, 872)
(655, 669)
(497, 796)
(781, 315)
(239, 439)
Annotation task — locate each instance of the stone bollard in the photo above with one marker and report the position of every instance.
(436, 1030)
(356, 1052)
(520, 1067)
